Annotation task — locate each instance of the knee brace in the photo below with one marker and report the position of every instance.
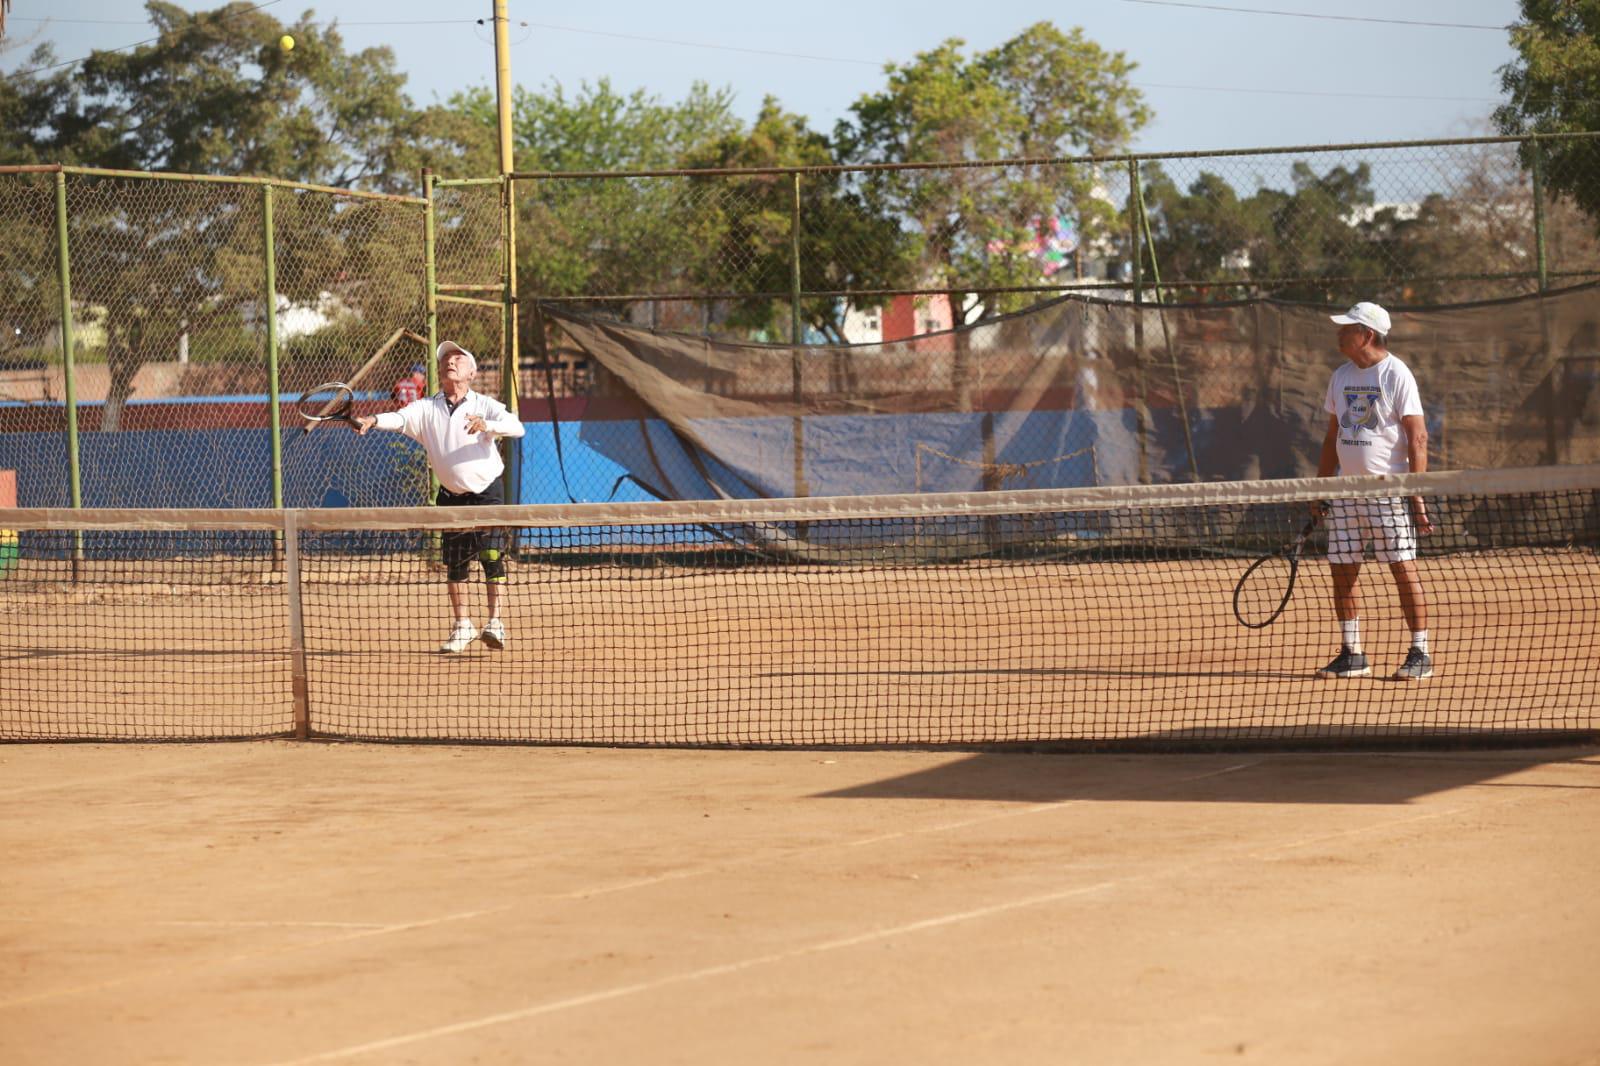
(494, 564)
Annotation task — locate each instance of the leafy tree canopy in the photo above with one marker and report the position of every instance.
(1043, 94)
(1554, 87)
(216, 95)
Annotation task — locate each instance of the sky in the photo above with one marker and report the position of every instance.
(1217, 73)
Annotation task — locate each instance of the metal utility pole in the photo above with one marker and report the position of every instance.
(512, 352)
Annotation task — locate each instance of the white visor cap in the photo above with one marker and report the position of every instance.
(1365, 314)
(446, 347)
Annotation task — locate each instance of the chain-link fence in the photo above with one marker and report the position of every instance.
(158, 329)
(808, 253)
(890, 258)
(143, 362)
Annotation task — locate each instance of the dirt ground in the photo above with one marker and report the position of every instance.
(283, 902)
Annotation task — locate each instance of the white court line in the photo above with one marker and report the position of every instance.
(710, 971)
(821, 947)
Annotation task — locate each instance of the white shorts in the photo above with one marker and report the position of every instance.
(1384, 522)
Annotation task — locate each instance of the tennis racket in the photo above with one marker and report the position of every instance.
(326, 403)
(1264, 590)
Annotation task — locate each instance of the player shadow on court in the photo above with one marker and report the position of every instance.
(1355, 778)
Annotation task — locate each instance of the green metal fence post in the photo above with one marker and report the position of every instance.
(430, 303)
(1166, 335)
(273, 395)
(1552, 435)
(430, 294)
(1538, 216)
(69, 368)
(509, 392)
(1142, 413)
(795, 332)
(797, 339)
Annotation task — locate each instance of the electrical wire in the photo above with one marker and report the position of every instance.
(135, 44)
(1309, 15)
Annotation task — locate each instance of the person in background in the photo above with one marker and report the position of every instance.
(412, 387)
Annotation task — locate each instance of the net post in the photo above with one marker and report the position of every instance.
(297, 636)
(68, 366)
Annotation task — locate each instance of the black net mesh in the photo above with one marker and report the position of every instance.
(1086, 618)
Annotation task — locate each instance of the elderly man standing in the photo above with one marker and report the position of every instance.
(459, 428)
(1375, 426)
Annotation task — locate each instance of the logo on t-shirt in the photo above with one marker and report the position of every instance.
(1361, 407)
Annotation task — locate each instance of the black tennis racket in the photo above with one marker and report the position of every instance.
(326, 403)
(1264, 590)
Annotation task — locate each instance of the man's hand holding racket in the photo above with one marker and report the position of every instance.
(1419, 510)
(361, 423)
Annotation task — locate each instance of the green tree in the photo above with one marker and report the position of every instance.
(581, 236)
(1289, 242)
(215, 94)
(843, 244)
(1554, 87)
(1042, 94)
(1206, 233)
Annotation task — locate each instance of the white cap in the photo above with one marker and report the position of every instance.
(446, 347)
(1365, 314)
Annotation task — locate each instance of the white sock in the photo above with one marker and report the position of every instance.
(1350, 634)
(1419, 640)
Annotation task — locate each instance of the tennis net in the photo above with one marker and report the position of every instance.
(1053, 618)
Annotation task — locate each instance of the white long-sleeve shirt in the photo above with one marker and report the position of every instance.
(462, 461)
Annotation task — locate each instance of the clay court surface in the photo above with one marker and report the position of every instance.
(283, 902)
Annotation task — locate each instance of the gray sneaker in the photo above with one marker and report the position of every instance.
(1347, 664)
(494, 634)
(1417, 666)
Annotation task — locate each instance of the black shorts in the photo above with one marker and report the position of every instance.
(461, 546)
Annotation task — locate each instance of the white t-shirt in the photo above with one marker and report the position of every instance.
(462, 461)
(1369, 403)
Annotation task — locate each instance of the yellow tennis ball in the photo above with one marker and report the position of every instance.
(286, 42)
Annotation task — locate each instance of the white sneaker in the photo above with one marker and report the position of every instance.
(460, 637)
(494, 634)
